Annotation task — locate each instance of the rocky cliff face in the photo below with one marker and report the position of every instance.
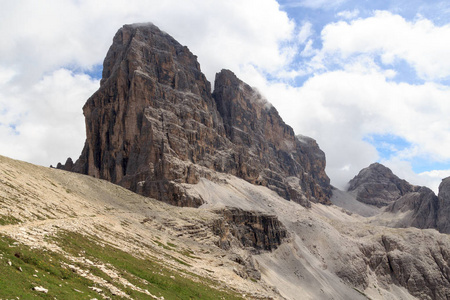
(377, 185)
(423, 208)
(154, 124)
(249, 229)
(269, 152)
(418, 261)
(443, 217)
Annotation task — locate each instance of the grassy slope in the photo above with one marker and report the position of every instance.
(53, 222)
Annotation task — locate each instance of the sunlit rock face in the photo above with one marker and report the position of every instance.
(154, 125)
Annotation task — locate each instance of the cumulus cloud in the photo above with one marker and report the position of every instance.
(342, 108)
(44, 123)
(420, 43)
(350, 86)
(44, 44)
(353, 93)
(305, 32)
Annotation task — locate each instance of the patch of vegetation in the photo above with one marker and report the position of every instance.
(22, 269)
(8, 220)
(162, 245)
(189, 253)
(145, 272)
(171, 245)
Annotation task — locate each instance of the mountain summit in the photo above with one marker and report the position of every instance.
(154, 125)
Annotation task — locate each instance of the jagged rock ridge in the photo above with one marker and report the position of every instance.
(377, 185)
(414, 206)
(154, 125)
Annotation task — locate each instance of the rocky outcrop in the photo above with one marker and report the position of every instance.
(418, 261)
(154, 124)
(270, 153)
(377, 185)
(405, 205)
(443, 217)
(68, 166)
(421, 209)
(248, 229)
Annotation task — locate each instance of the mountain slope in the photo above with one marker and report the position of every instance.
(263, 247)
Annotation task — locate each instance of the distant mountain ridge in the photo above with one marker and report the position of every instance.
(415, 206)
(154, 125)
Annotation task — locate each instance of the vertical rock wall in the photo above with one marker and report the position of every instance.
(154, 124)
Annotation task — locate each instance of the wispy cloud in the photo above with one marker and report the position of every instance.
(316, 4)
(347, 14)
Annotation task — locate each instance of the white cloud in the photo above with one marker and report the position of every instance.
(317, 4)
(348, 14)
(420, 43)
(41, 100)
(305, 32)
(340, 108)
(403, 169)
(44, 123)
(40, 103)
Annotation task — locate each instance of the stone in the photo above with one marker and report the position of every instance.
(248, 229)
(269, 152)
(377, 185)
(154, 125)
(40, 289)
(68, 166)
(443, 217)
(423, 207)
(416, 260)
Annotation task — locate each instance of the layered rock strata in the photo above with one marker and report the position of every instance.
(154, 124)
(248, 229)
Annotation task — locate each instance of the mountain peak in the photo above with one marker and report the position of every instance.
(378, 185)
(154, 126)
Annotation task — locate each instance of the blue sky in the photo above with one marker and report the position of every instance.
(369, 80)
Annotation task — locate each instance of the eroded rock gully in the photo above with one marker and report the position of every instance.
(154, 124)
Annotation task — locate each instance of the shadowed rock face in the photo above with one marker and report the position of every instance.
(413, 206)
(443, 218)
(377, 185)
(154, 125)
(249, 229)
(415, 260)
(423, 205)
(270, 153)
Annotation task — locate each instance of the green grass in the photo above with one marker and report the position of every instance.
(171, 245)
(144, 272)
(33, 267)
(8, 220)
(37, 267)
